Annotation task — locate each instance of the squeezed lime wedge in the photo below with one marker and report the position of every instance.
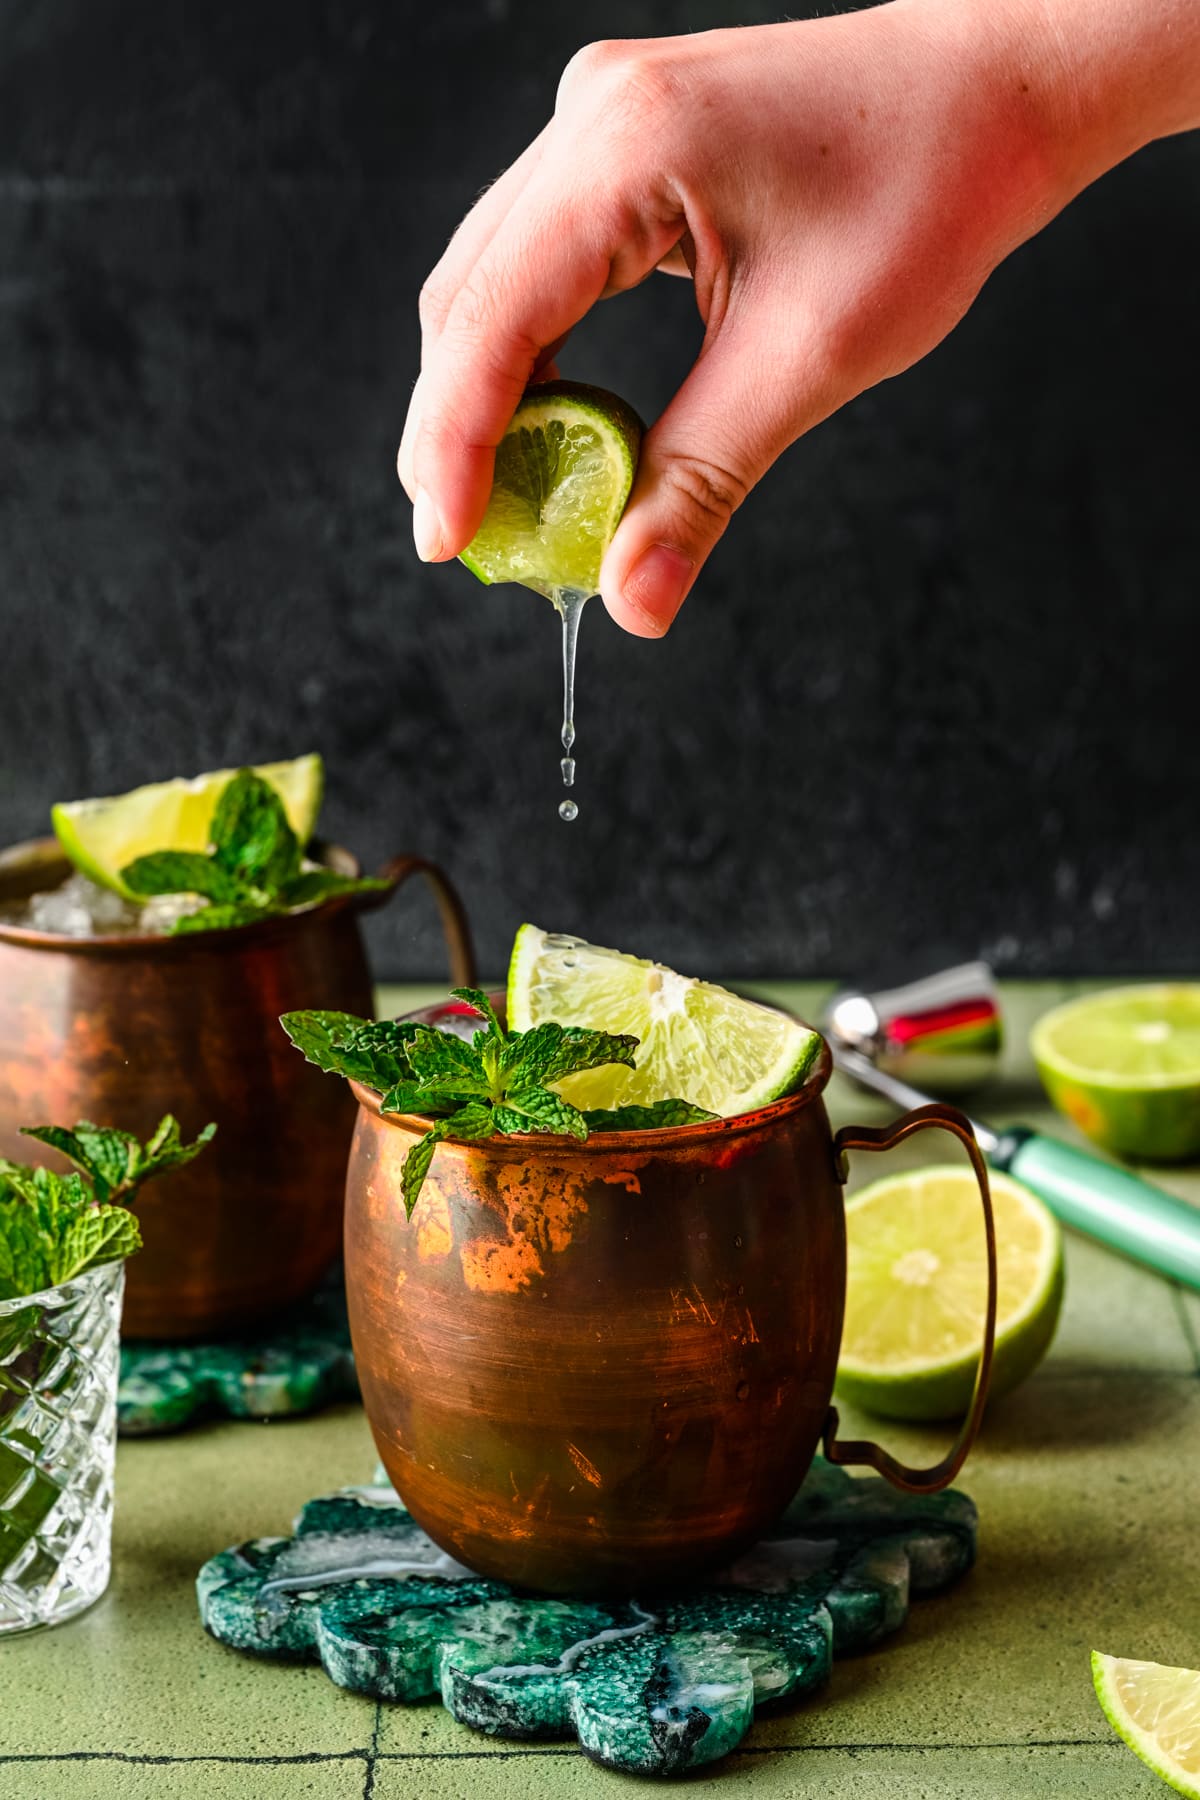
(563, 473)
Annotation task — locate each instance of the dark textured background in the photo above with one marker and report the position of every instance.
(938, 685)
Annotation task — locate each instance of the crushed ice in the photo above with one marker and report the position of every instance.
(80, 908)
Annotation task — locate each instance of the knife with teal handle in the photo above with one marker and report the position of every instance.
(1105, 1202)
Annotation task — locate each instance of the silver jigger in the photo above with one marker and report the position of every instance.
(942, 1033)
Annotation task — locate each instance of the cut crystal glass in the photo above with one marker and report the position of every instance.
(59, 1362)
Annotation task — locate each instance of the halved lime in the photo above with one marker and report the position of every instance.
(564, 469)
(101, 836)
(916, 1290)
(1157, 1712)
(1124, 1065)
(697, 1042)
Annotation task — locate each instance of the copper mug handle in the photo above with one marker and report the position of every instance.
(862, 1450)
(455, 927)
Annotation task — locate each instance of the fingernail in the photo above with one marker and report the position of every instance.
(657, 583)
(427, 527)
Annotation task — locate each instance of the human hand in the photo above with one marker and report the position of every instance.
(837, 190)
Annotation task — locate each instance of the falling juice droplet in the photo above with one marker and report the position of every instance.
(569, 602)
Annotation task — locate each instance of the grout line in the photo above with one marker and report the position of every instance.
(373, 1756)
(140, 1757)
(373, 1753)
(1185, 1325)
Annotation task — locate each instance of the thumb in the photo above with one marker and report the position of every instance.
(735, 413)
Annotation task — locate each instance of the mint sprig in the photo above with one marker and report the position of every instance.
(499, 1084)
(116, 1163)
(54, 1227)
(253, 870)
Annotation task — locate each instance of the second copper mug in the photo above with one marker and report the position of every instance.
(594, 1367)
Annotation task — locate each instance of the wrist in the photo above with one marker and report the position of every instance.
(1075, 86)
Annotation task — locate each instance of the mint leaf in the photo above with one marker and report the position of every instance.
(323, 884)
(416, 1167)
(47, 1233)
(167, 1150)
(100, 1234)
(533, 1108)
(549, 1051)
(22, 1253)
(219, 918)
(437, 1056)
(470, 1122)
(426, 1097)
(55, 1232)
(371, 1051)
(478, 1001)
(251, 837)
(647, 1118)
(181, 872)
(20, 1257)
(108, 1158)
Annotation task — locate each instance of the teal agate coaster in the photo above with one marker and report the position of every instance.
(295, 1363)
(650, 1687)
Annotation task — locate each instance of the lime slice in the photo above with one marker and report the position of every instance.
(564, 469)
(916, 1291)
(101, 836)
(1124, 1065)
(697, 1042)
(1157, 1712)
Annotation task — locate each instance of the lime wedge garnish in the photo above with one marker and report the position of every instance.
(916, 1290)
(1157, 1712)
(564, 469)
(697, 1042)
(101, 836)
(1124, 1065)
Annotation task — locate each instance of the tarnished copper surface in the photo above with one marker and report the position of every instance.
(121, 1030)
(593, 1366)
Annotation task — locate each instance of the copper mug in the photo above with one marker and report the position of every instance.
(123, 1029)
(594, 1367)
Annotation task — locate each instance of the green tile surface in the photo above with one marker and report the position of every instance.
(1085, 1479)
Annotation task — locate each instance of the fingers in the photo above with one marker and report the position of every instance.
(459, 258)
(542, 269)
(473, 237)
(740, 407)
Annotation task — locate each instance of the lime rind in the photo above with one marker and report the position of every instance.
(1106, 1676)
(697, 1042)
